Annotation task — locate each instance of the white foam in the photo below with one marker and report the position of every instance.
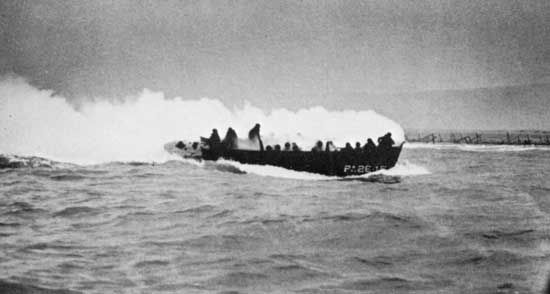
(36, 122)
(274, 171)
(403, 168)
(400, 169)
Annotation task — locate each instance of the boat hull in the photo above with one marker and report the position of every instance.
(337, 163)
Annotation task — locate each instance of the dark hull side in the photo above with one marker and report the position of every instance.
(340, 163)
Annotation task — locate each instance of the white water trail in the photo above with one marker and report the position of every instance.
(35, 122)
(275, 171)
(401, 169)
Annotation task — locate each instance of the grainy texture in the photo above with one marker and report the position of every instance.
(478, 223)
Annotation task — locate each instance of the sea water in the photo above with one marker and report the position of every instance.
(446, 219)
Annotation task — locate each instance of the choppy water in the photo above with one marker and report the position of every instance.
(478, 222)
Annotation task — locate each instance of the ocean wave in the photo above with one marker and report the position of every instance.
(22, 209)
(76, 211)
(194, 211)
(492, 258)
(225, 242)
(67, 177)
(238, 279)
(13, 161)
(11, 287)
(151, 263)
(10, 161)
(389, 219)
(376, 262)
(74, 172)
(389, 283)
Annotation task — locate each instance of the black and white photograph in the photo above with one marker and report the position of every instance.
(273, 146)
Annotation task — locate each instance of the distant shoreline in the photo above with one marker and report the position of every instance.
(495, 137)
(428, 130)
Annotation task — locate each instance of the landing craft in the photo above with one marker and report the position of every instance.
(339, 163)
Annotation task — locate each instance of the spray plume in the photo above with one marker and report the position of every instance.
(36, 122)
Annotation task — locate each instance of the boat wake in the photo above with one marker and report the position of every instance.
(16, 161)
(272, 171)
(393, 175)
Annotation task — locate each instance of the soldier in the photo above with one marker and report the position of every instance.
(318, 147)
(385, 142)
(287, 147)
(255, 134)
(330, 147)
(214, 141)
(370, 146)
(230, 141)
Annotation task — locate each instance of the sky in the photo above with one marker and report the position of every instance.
(425, 64)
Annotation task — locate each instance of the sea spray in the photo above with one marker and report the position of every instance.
(37, 122)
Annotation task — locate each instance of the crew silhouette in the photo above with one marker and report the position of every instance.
(385, 142)
(254, 134)
(318, 147)
(231, 142)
